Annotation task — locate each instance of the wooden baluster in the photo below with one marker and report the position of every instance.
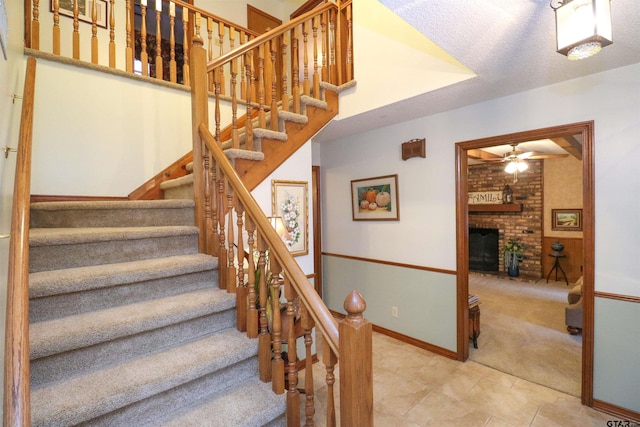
(173, 71)
(94, 32)
(56, 27)
(285, 90)
(295, 84)
(252, 315)
(159, 65)
(329, 359)
(211, 202)
(262, 119)
(333, 48)
(185, 47)
(349, 44)
(221, 69)
(241, 289)
(35, 25)
(274, 88)
(129, 48)
(112, 35)
(197, 23)
(210, 50)
(277, 364)
(243, 82)
(356, 371)
(232, 38)
(248, 124)
(307, 326)
(325, 68)
(316, 75)
(264, 338)
(144, 56)
(222, 254)
(293, 395)
(76, 34)
(305, 52)
(235, 136)
(231, 269)
(216, 90)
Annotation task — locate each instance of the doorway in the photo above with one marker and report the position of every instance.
(585, 130)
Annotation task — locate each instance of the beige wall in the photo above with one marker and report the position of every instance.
(562, 190)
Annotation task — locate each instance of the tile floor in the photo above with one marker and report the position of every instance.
(414, 387)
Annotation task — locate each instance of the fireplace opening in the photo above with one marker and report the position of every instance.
(483, 249)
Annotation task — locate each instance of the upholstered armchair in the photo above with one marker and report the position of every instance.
(573, 312)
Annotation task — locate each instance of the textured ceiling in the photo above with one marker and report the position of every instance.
(509, 44)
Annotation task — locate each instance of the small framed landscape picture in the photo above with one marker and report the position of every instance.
(566, 219)
(375, 199)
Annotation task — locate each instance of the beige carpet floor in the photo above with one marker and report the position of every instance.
(523, 332)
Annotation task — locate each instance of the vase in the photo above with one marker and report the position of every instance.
(514, 269)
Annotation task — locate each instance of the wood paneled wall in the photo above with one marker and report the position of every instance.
(572, 264)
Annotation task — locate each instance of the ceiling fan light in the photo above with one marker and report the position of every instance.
(583, 27)
(522, 166)
(511, 167)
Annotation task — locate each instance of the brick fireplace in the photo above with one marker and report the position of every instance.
(525, 225)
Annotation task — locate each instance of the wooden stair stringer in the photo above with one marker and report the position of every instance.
(276, 152)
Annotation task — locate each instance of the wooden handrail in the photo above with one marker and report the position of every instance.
(253, 44)
(320, 314)
(207, 14)
(16, 405)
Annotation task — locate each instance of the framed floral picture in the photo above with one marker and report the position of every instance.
(289, 200)
(375, 198)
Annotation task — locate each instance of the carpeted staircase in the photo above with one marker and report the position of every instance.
(128, 326)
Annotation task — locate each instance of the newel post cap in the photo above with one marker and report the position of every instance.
(355, 305)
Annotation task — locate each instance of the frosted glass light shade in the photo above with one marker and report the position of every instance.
(583, 27)
(516, 165)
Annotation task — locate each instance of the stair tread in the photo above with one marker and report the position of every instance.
(62, 236)
(112, 204)
(235, 406)
(53, 282)
(87, 396)
(82, 330)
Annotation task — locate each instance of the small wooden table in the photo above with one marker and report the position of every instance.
(557, 266)
(474, 324)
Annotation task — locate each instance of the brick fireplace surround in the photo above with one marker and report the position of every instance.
(525, 225)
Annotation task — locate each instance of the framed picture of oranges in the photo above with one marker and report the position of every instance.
(375, 199)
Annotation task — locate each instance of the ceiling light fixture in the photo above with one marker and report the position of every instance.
(583, 27)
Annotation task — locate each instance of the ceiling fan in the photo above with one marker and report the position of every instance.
(516, 159)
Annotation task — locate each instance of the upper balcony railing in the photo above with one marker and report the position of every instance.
(147, 37)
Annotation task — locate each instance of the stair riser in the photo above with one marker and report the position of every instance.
(57, 306)
(181, 192)
(43, 258)
(111, 218)
(155, 409)
(63, 365)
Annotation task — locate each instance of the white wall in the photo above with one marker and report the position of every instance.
(11, 81)
(425, 234)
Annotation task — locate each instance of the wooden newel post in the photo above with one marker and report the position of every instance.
(355, 364)
(199, 114)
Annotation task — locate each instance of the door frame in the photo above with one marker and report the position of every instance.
(586, 129)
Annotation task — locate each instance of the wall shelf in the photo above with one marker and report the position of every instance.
(512, 207)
